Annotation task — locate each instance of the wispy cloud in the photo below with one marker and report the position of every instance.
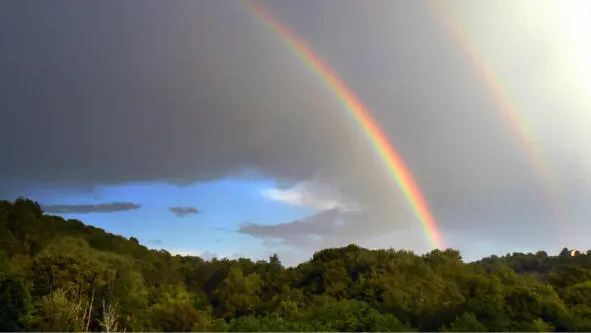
(207, 255)
(110, 207)
(183, 211)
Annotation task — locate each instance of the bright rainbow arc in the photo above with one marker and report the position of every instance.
(508, 109)
(360, 114)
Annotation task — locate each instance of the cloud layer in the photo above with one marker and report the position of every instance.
(110, 207)
(196, 91)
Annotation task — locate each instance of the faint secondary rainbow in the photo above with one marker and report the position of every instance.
(362, 117)
(508, 109)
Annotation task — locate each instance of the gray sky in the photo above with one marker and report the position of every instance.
(110, 92)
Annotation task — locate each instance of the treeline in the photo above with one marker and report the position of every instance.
(62, 275)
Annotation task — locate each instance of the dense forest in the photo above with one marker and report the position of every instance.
(62, 275)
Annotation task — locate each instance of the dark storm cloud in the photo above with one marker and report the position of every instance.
(111, 207)
(95, 93)
(183, 211)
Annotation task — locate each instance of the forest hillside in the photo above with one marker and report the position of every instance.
(63, 275)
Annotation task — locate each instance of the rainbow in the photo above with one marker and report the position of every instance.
(360, 114)
(509, 110)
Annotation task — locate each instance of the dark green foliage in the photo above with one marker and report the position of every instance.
(13, 304)
(62, 275)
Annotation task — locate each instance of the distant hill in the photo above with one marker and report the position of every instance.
(63, 275)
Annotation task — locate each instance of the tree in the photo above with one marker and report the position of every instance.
(173, 311)
(64, 312)
(14, 301)
(565, 252)
(238, 294)
(467, 322)
(62, 275)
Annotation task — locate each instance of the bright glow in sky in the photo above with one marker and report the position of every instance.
(575, 15)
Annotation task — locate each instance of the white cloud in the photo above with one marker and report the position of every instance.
(310, 194)
(289, 196)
